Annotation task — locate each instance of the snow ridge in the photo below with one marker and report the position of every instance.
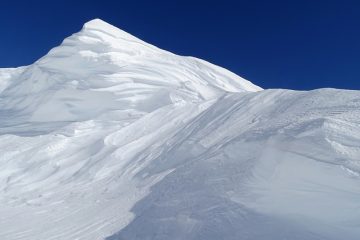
(108, 137)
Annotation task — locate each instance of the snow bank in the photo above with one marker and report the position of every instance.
(108, 137)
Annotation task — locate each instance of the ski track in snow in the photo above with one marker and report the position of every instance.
(108, 137)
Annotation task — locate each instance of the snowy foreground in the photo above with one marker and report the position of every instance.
(107, 137)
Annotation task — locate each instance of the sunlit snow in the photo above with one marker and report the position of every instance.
(108, 137)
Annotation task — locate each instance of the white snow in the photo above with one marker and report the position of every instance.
(108, 137)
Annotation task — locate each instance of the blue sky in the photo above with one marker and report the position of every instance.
(275, 44)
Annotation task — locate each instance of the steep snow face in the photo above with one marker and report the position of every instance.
(102, 68)
(108, 137)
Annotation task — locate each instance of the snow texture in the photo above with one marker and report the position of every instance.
(108, 137)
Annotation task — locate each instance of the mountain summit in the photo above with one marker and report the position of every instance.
(108, 137)
(104, 63)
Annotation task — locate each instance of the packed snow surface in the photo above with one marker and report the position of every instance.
(108, 137)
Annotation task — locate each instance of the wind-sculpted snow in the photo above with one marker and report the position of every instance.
(108, 137)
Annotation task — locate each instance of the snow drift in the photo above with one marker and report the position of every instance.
(108, 137)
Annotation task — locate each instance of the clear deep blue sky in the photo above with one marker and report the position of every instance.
(275, 44)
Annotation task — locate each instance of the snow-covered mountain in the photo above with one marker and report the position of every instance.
(108, 137)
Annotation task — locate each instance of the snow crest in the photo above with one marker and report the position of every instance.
(108, 137)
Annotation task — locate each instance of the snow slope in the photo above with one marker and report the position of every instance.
(108, 137)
